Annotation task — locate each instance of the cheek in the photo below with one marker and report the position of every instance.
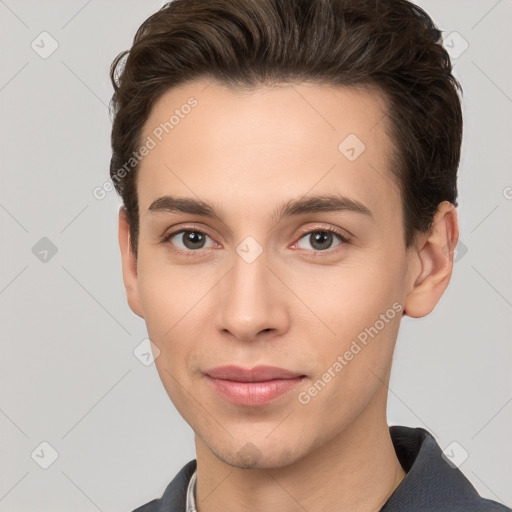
(166, 291)
(361, 307)
(175, 301)
(168, 303)
(349, 298)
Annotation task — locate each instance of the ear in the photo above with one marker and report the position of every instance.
(129, 264)
(432, 261)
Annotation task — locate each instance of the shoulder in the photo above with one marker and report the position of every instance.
(175, 495)
(152, 506)
(433, 482)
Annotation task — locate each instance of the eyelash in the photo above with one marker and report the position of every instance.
(344, 239)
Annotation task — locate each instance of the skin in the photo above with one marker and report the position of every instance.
(295, 306)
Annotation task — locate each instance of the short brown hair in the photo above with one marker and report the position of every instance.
(391, 44)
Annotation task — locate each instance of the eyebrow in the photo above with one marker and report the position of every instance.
(294, 207)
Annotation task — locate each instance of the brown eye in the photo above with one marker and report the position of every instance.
(188, 240)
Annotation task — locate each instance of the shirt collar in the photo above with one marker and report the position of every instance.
(191, 493)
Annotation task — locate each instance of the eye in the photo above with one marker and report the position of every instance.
(188, 239)
(321, 239)
(193, 240)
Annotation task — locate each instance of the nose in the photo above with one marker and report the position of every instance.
(251, 302)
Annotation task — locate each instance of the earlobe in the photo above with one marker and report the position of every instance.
(434, 258)
(129, 265)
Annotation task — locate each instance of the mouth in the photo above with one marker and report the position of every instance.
(252, 387)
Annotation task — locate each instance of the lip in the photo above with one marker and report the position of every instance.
(252, 387)
(260, 373)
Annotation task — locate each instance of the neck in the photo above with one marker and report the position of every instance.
(356, 470)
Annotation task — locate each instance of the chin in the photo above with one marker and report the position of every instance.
(252, 456)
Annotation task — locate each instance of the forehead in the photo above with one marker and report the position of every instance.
(267, 144)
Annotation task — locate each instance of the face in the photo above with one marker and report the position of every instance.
(298, 262)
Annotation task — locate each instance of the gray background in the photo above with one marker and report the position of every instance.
(68, 373)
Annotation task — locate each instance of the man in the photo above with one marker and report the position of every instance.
(288, 172)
